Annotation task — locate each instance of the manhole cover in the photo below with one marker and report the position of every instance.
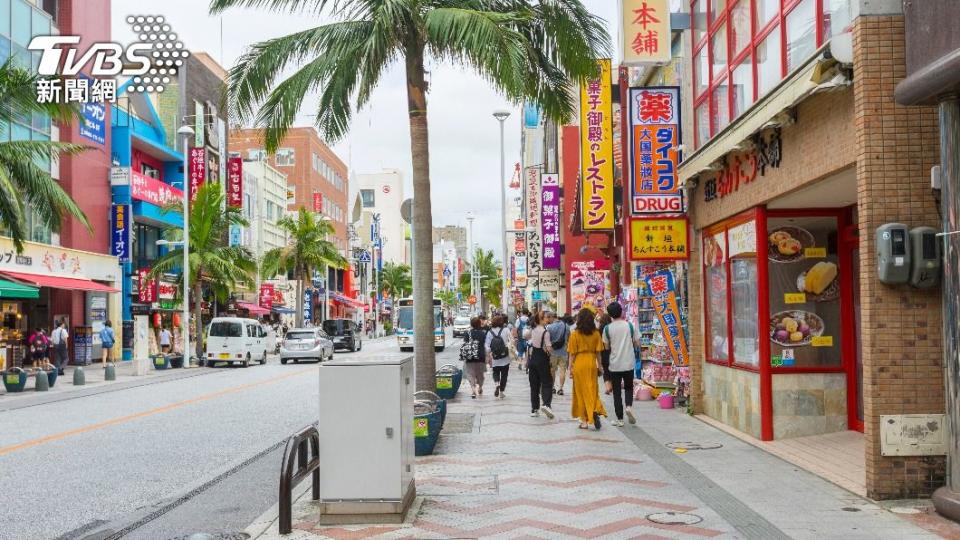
(674, 518)
(690, 445)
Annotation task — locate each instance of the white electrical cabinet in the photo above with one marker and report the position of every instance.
(366, 435)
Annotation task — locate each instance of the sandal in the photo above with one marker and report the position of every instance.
(583, 426)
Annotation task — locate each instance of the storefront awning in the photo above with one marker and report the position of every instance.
(283, 310)
(253, 308)
(54, 282)
(346, 300)
(13, 290)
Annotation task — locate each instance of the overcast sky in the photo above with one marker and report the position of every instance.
(464, 138)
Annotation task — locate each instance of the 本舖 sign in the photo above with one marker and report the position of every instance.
(198, 170)
(654, 155)
(550, 222)
(596, 149)
(235, 182)
(266, 295)
(534, 240)
(659, 239)
(663, 289)
(120, 231)
(646, 32)
(744, 168)
(151, 190)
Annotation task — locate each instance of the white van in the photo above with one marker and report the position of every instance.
(236, 340)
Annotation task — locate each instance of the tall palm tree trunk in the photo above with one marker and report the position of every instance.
(422, 219)
(298, 316)
(198, 316)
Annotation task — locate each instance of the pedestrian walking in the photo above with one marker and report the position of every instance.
(107, 339)
(498, 351)
(59, 339)
(602, 321)
(538, 368)
(39, 347)
(620, 338)
(165, 340)
(584, 351)
(559, 335)
(522, 326)
(473, 363)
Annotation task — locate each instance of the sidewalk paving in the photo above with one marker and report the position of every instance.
(513, 476)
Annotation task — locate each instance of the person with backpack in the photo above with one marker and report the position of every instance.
(559, 333)
(473, 355)
(498, 338)
(523, 321)
(622, 341)
(58, 338)
(39, 347)
(538, 367)
(107, 339)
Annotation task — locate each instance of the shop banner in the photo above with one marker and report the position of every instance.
(646, 32)
(93, 122)
(235, 182)
(664, 292)
(120, 231)
(659, 239)
(198, 124)
(654, 154)
(596, 152)
(236, 235)
(519, 260)
(317, 201)
(589, 285)
(266, 295)
(151, 190)
(166, 291)
(146, 288)
(307, 306)
(198, 170)
(550, 221)
(534, 216)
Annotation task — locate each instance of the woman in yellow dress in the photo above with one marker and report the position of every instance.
(584, 350)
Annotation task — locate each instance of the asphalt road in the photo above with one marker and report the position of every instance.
(159, 461)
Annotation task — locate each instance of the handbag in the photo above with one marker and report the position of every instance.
(470, 350)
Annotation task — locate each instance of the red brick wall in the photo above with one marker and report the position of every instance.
(901, 341)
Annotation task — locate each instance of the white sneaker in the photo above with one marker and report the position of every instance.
(617, 423)
(535, 414)
(630, 417)
(547, 412)
(503, 395)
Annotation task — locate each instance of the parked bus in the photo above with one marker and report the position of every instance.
(404, 326)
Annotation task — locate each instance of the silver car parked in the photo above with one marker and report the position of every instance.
(306, 344)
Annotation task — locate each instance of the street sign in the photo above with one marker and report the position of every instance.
(364, 257)
(406, 210)
(472, 300)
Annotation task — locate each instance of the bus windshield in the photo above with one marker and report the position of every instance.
(405, 318)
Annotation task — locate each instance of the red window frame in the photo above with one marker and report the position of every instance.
(777, 24)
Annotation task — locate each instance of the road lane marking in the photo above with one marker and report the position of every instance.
(123, 419)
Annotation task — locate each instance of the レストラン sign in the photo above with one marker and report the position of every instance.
(596, 152)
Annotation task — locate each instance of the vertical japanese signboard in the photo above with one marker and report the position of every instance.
(534, 241)
(317, 201)
(198, 124)
(646, 32)
(664, 292)
(120, 232)
(146, 288)
(519, 260)
(197, 162)
(235, 182)
(266, 295)
(308, 306)
(654, 153)
(596, 152)
(550, 222)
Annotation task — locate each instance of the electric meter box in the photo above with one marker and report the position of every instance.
(366, 439)
(893, 253)
(926, 255)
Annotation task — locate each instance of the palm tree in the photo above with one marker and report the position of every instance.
(212, 260)
(395, 280)
(530, 50)
(307, 250)
(24, 185)
(491, 284)
(448, 298)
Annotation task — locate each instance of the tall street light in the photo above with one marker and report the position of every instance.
(501, 116)
(187, 132)
(471, 257)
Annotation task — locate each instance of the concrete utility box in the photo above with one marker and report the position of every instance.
(366, 439)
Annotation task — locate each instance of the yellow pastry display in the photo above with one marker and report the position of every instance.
(819, 277)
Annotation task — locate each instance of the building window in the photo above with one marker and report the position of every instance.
(768, 63)
(257, 154)
(285, 157)
(715, 296)
(367, 199)
(150, 171)
(742, 87)
(766, 11)
(836, 17)
(801, 34)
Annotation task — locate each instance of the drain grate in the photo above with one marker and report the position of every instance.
(690, 445)
(215, 536)
(674, 518)
(458, 423)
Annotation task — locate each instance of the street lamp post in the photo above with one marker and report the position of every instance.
(470, 256)
(186, 132)
(501, 116)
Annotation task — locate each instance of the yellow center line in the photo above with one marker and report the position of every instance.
(123, 419)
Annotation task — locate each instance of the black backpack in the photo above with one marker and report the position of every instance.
(498, 347)
(557, 345)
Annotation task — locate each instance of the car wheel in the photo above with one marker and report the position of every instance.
(264, 359)
(353, 346)
(296, 360)
(246, 361)
(283, 361)
(360, 346)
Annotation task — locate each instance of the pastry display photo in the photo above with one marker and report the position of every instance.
(786, 244)
(820, 282)
(795, 328)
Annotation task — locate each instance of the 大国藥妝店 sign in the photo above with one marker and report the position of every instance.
(646, 32)
(659, 239)
(596, 152)
(654, 150)
(742, 169)
(235, 182)
(550, 221)
(534, 215)
(120, 231)
(663, 289)
(198, 170)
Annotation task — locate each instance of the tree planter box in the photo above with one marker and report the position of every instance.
(15, 379)
(449, 378)
(176, 360)
(160, 361)
(52, 377)
(426, 431)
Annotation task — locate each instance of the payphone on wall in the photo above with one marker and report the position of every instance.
(893, 253)
(926, 255)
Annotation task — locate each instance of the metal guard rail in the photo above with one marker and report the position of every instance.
(296, 451)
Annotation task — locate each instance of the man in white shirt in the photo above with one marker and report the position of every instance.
(620, 337)
(165, 340)
(58, 338)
